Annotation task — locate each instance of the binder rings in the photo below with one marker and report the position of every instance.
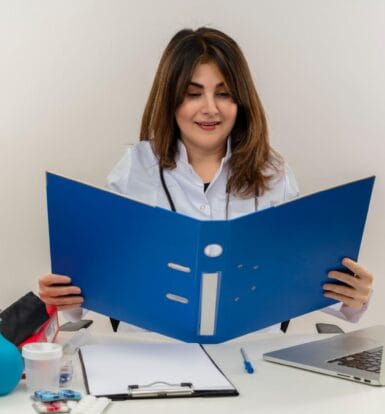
(202, 281)
(152, 370)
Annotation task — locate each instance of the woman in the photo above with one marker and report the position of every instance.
(204, 152)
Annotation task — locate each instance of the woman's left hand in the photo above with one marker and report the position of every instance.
(357, 288)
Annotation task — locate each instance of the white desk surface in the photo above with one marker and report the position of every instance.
(271, 389)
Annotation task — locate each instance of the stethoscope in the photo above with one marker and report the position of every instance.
(171, 202)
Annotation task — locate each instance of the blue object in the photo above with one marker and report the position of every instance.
(70, 394)
(152, 267)
(48, 396)
(66, 373)
(11, 366)
(64, 378)
(247, 364)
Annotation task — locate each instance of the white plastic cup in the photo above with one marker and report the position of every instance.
(42, 365)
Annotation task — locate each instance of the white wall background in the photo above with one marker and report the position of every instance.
(74, 77)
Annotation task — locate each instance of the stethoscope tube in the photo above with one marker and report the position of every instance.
(165, 188)
(170, 200)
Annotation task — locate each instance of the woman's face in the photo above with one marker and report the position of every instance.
(207, 113)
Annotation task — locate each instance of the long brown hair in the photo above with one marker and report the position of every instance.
(253, 162)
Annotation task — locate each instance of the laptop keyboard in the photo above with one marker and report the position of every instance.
(367, 360)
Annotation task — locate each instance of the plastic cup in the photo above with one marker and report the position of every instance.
(42, 365)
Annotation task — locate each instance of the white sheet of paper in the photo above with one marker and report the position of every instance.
(110, 369)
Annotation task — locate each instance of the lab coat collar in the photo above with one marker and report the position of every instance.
(182, 158)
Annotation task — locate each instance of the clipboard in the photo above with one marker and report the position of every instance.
(202, 281)
(152, 370)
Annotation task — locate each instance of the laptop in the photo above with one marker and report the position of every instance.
(356, 356)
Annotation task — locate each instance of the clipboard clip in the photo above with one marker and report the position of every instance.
(160, 389)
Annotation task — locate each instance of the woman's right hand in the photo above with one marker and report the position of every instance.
(57, 290)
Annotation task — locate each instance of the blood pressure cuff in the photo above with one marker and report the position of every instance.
(21, 319)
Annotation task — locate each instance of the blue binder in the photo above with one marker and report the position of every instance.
(202, 281)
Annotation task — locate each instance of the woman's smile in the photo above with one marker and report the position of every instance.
(208, 126)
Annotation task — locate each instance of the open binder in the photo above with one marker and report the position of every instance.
(202, 281)
(152, 370)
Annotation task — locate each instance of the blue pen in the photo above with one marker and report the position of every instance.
(248, 367)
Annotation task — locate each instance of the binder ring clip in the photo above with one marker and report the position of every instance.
(160, 389)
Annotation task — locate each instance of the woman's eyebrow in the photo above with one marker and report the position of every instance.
(198, 85)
